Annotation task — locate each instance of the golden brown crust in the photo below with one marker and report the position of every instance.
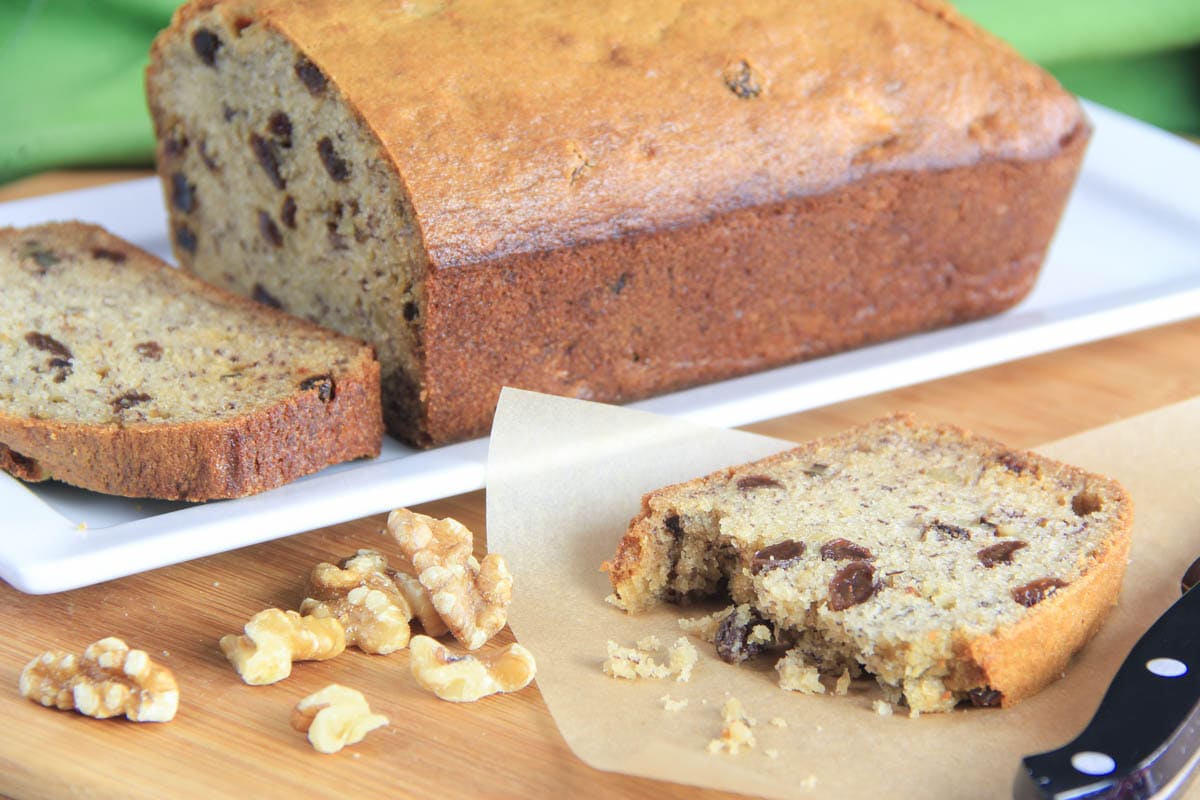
(207, 461)
(21, 466)
(628, 318)
(1020, 660)
(701, 89)
(204, 459)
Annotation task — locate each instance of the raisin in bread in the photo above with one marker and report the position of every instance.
(123, 375)
(945, 564)
(605, 200)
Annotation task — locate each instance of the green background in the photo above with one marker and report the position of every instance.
(71, 90)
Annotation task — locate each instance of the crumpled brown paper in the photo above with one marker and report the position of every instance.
(566, 476)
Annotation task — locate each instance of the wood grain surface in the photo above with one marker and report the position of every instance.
(233, 740)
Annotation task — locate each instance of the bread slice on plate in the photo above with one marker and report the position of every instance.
(123, 375)
(949, 566)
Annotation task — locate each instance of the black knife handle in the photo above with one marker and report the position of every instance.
(1148, 724)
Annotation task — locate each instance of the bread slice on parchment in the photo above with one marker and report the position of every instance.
(947, 565)
(123, 375)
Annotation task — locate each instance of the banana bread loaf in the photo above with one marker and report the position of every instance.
(605, 200)
(947, 565)
(123, 375)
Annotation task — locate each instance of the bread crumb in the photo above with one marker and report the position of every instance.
(671, 704)
(842, 686)
(704, 627)
(809, 782)
(796, 675)
(642, 660)
(760, 634)
(683, 658)
(778, 722)
(882, 707)
(613, 600)
(735, 732)
(631, 663)
(771, 752)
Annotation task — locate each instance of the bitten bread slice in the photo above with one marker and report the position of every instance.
(125, 376)
(949, 566)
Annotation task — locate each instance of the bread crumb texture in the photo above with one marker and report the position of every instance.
(121, 374)
(948, 566)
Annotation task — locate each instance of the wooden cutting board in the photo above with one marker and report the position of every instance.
(233, 740)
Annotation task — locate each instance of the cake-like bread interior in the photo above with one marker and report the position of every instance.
(326, 232)
(121, 374)
(947, 565)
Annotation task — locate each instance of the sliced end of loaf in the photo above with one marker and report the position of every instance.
(321, 226)
(125, 376)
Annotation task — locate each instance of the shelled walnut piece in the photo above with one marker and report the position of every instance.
(335, 717)
(471, 596)
(421, 604)
(273, 639)
(363, 595)
(109, 680)
(466, 678)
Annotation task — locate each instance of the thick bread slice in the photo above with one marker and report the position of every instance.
(948, 565)
(122, 375)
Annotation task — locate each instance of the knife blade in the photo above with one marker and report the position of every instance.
(1144, 741)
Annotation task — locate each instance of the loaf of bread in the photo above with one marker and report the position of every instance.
(605, 200)
(948, 566)
(123, 375)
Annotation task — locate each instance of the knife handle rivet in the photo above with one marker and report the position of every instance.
(1167, 667)
(1091, 763)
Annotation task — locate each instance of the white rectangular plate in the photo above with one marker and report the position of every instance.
(1127, 256)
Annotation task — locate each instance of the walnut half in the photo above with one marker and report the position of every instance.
(108, 681)
(273, 639)
(465, 679)
(335, 717)
(471, 596)
(362, 594)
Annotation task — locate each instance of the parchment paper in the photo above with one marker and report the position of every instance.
(564, 479)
